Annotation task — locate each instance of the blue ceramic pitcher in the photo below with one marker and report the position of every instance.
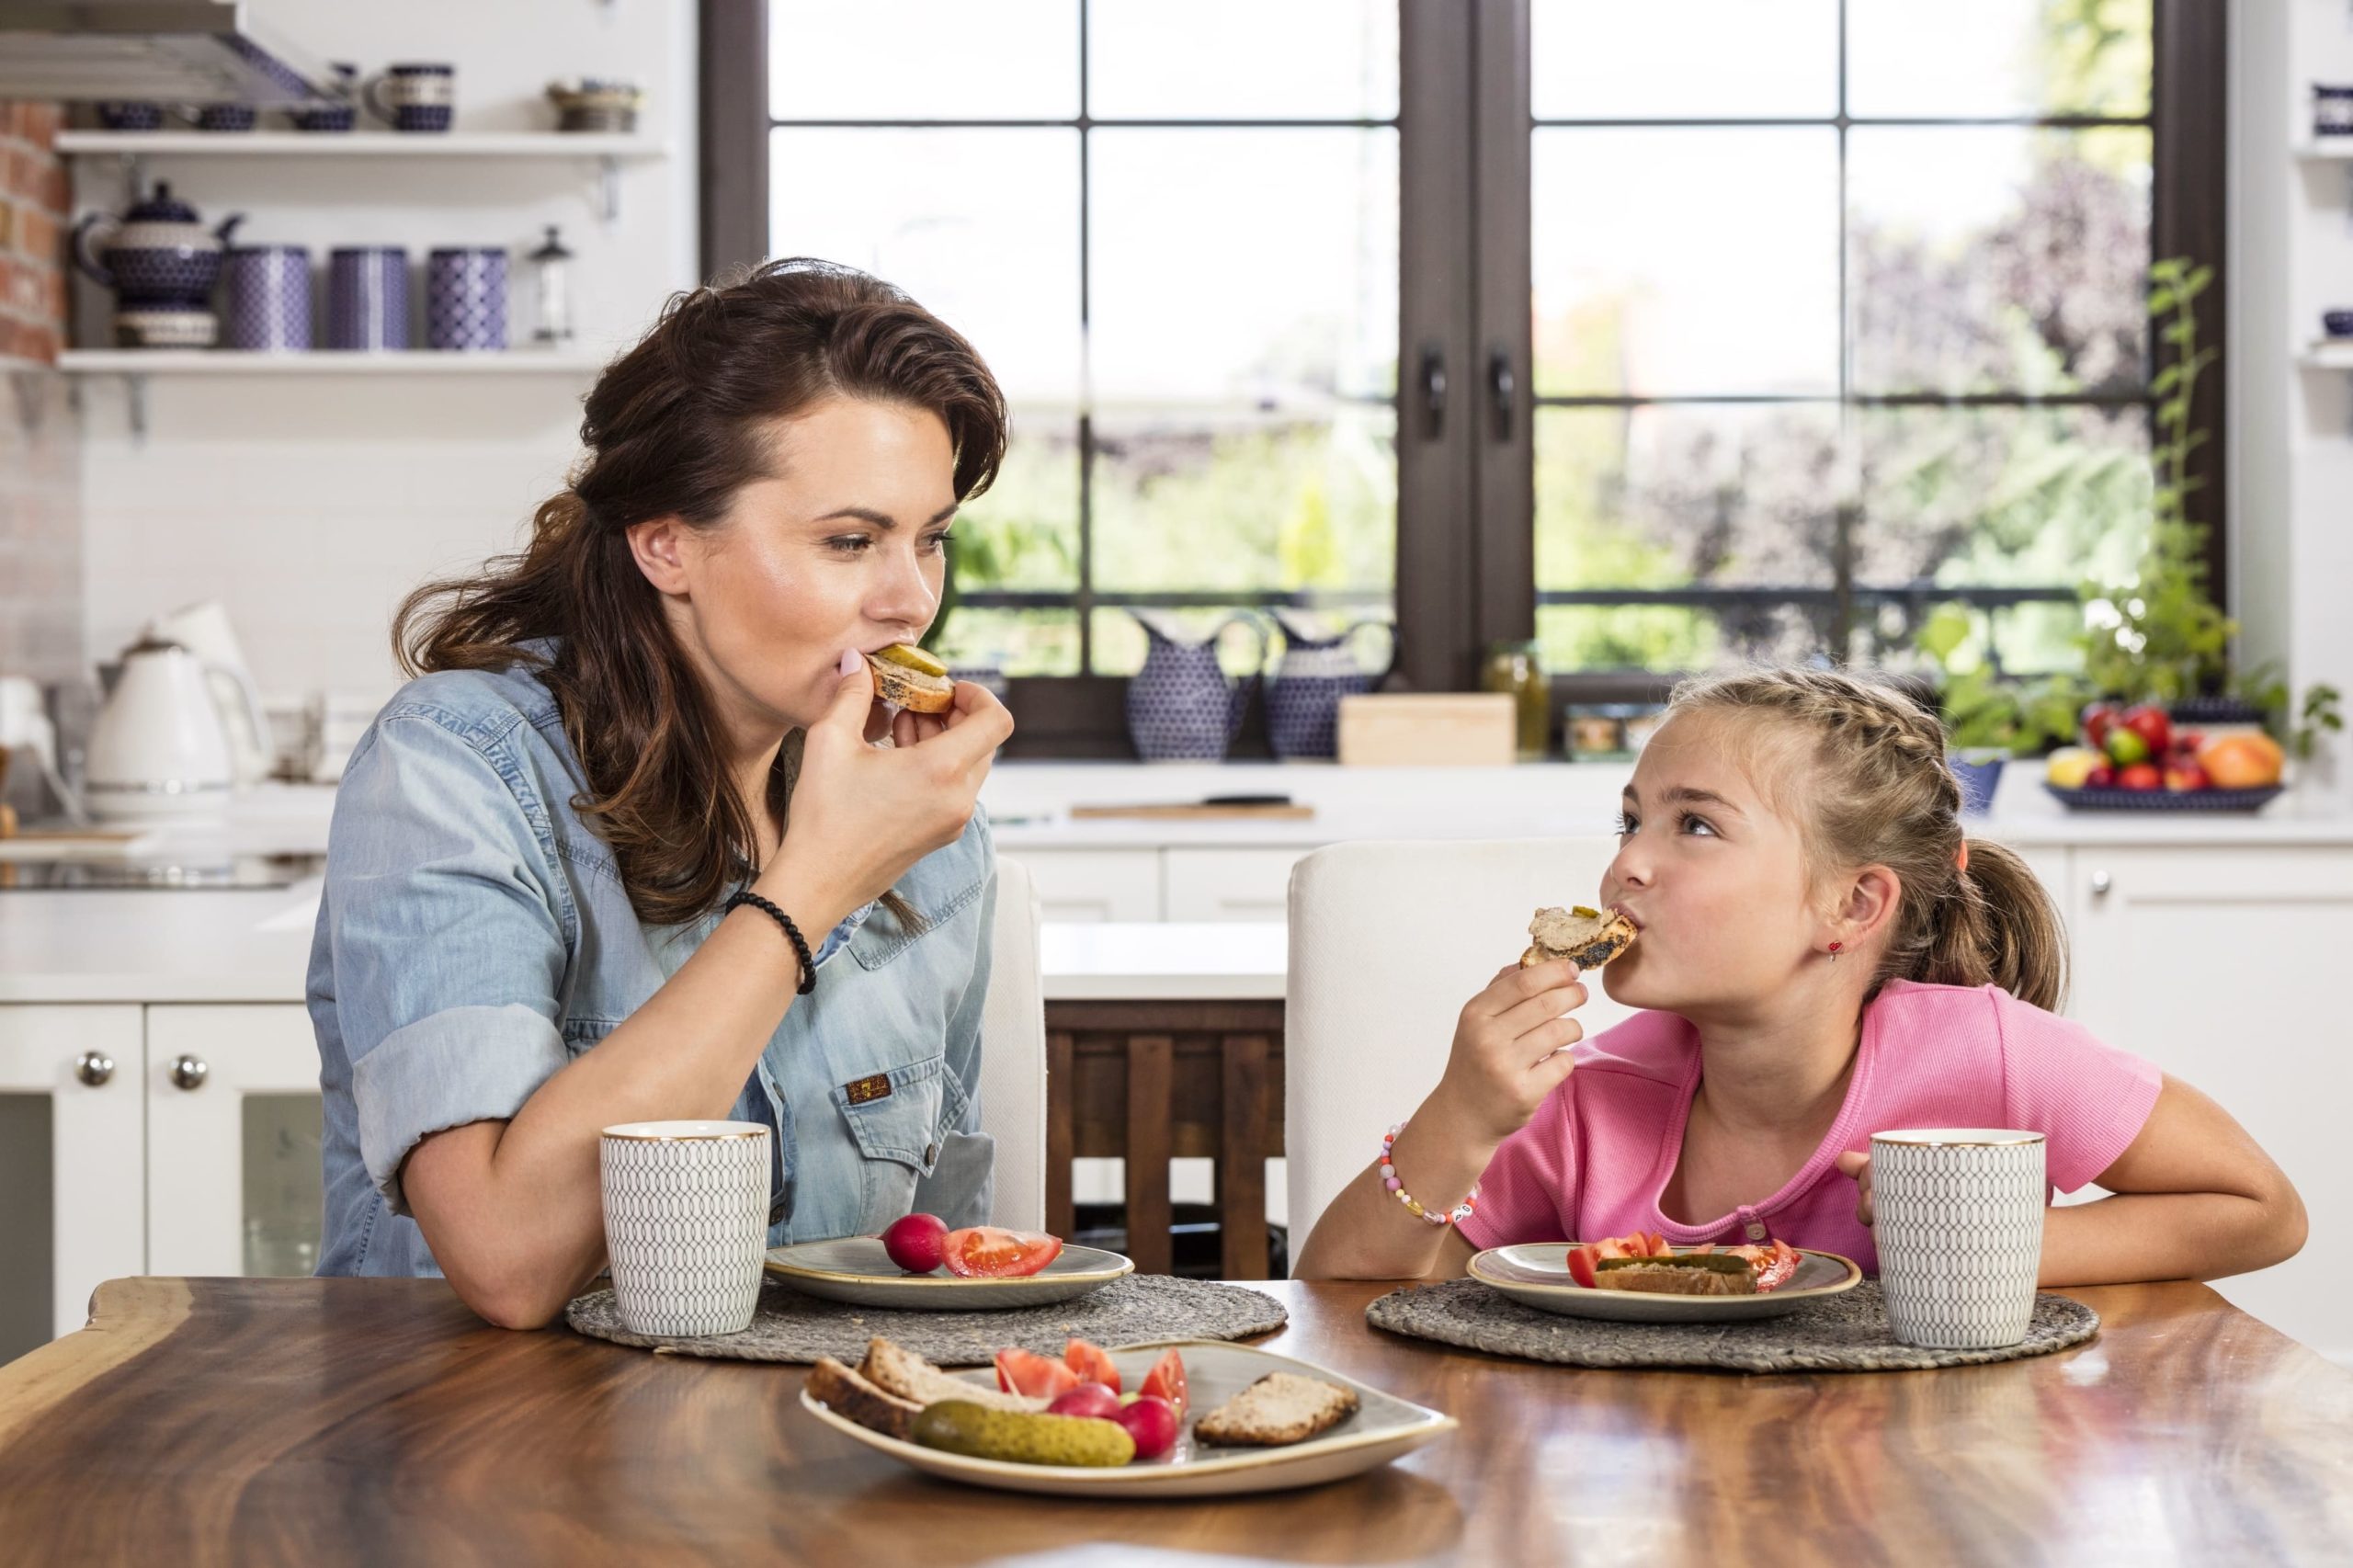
(1316, 671)
(1181, 706)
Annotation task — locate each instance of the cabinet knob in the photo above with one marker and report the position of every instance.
(189, 1072)
(93, 1067)
(2101, 883)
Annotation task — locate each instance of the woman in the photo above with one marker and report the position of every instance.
(533, 925)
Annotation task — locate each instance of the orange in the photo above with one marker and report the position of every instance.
(2242, 761)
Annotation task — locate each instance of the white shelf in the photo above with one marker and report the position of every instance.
(411, 362)
(2327, 356)
(361, 144)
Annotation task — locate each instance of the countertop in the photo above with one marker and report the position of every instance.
(234, 1421)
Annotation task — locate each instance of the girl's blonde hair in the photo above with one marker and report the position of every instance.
(1873, 788)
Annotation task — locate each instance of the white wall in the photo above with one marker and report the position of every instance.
(2291, 429)
(310, 505)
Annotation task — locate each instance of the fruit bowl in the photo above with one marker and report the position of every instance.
(2113, 800)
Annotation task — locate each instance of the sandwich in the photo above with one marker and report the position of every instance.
(905, 677)
(1679, 1274)
(1589, 936)
(904, 1374)
(1279, 1409)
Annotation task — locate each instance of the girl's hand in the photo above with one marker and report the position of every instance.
(1858, 1165)
(860, 814)
(1511, 1048)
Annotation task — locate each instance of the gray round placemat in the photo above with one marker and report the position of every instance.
(1845, 1332)
(789, 1326)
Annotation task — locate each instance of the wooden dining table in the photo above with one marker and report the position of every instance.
(323, 1421)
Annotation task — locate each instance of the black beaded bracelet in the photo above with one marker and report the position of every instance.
(800, 943)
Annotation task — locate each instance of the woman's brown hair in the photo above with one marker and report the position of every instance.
(1875, 789)
(675, 427)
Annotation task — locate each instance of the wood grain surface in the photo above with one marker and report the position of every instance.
(264, 1421)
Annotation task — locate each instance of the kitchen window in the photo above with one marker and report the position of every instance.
(1662, 333)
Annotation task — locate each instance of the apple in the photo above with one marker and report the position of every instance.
(2126, 747)
(2097, 719)
(2101, 777)
(2149, 722)
(2140, 776)
(2183, 774)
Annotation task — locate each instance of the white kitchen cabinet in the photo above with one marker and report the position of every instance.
(2222, 966)
(1227, 884)
(233, 1141)
(1093, 885)
(72, 1211)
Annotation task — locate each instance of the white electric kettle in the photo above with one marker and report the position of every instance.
(204, 631)
(158, 749)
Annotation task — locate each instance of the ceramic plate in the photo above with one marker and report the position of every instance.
(856, 1271)
(1537, 1275)
(1382, 1429)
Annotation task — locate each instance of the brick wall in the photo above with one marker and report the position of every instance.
(40, 512)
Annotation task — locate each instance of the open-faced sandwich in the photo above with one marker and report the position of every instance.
(906, 676)
(1590, 937)
(1644, 1261)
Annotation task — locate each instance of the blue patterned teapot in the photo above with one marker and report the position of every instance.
(1316, 671)
(158, 256)
(1181, 706)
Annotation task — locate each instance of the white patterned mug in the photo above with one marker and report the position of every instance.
(1957, 1215)
(686, 1222)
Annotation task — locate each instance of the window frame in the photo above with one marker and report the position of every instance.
(1465, 561)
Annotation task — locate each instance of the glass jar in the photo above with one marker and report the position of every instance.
(551, 270)
(2332, 110)
(1517, 670)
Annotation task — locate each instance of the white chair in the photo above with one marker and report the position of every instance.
(1013, 1054)
(1387, 941)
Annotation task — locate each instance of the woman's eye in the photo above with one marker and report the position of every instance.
(850, 544)
(940, 541)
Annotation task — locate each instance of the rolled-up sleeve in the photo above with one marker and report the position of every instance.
(448, 925)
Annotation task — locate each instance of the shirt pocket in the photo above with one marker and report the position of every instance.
(882, 938)
(895, 1117)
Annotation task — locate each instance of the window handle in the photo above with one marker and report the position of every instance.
(1502, 390)
(1433, 394)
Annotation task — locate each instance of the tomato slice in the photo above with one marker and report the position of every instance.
(1581, 1261)
(1166, 1380)
(1613, 1246)
(1092, 1363)
(1026, 1372)
(989, 1251)
(1777, 1267)
(1658, 1245)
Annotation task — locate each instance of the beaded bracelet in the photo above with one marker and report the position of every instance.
(1461, 1211)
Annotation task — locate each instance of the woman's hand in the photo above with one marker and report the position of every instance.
(862, 814)
(1511, 1048)
(1858, 1165)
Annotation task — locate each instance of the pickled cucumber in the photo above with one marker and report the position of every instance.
(959, 1427)
(906, 655)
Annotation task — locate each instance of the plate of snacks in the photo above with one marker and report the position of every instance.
(1641, 1279)
(1172, 1418)
(920, 1264)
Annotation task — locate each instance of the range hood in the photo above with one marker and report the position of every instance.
(164, 51)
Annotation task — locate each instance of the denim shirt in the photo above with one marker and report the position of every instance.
(474, 937)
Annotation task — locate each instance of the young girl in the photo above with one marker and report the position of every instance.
(1823, 955)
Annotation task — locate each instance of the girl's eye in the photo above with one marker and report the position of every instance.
(1698, 824)
(1625, 825)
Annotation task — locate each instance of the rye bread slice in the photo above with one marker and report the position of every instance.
(1591, 937)
(871, 1406)
(1279, 1409)
(1658, 1278)
(914, 691)
(901, 1371)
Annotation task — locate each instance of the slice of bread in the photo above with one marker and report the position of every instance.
(902, 1373)
(1590, 937)
(1279, 1409)
(847, 1393)
(911, 690)
(1659, 1279)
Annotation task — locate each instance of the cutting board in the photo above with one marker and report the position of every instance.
(1197, 812)
(1434, 729)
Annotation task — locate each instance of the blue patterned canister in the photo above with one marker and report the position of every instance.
(685, 1223)
(465, 298)
(269, 300)
(1957, 1214)
(367, 297)
(414, 97)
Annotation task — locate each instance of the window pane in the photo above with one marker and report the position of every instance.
(1019, 641)
(1997, 57)
(1691, 59)
(2035, 496)
(1243, 59)
(980, 225)
(1663, 498)
(1731, 286)
(923, 60)
(1190, 501)
(1257, 266)
(1120, 641)
(1022, 532)
(1998, 259)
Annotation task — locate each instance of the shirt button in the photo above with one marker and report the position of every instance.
(1755, 1230)
(931, 1154)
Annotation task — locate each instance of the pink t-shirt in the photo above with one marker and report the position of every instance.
(1593, 1161)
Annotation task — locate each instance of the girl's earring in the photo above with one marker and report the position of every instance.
(1834, 950)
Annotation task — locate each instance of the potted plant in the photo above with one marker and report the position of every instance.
(1989, 719)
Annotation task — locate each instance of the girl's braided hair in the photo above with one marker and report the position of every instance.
(1871, 787)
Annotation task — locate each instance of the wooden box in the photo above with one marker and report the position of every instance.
(1438, 729)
